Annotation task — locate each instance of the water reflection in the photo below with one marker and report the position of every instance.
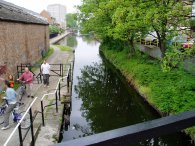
(72, 41)
(107, 103)
(89, 39)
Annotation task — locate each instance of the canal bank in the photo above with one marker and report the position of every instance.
(102, 100)
(163, 91)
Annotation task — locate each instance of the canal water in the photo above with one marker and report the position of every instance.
(102, 100)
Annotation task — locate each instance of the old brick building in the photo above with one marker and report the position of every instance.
(46, 15)
(23, 36)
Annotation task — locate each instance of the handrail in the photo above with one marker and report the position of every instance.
(56, 86)
(5, 144)
(30, 110)
(55, 92)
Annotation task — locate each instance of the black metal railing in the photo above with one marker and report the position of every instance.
(18, 127)
(136, 133)
(57, 94)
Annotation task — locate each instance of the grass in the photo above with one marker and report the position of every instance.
(170, 92)
(64, 48)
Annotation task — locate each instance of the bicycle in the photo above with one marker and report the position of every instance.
(22, 90)
(16, 116)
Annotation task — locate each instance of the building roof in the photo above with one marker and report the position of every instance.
(11, 12)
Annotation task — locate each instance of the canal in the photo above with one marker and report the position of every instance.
(102, 100)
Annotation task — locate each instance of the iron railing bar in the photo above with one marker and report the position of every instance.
(49, 105)
(16, 128)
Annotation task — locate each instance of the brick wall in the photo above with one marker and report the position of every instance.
(21, 43)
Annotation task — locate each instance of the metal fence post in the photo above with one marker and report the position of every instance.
(17, 72)
(31, 125)
(21, 68)
(20, 135)
(59, 86)
(70, 73)
(42, 113)
(40, 75)
(62, 71)
(68, 83)
(56, 102)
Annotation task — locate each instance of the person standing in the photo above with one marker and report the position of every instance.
(11, 98)
(27, 78)
(45, 69)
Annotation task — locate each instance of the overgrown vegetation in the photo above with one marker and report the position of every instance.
(170, 92)
(55, 29)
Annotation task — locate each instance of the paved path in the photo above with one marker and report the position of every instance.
(57, 57)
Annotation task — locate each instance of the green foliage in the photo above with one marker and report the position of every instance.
(170, 92)
(71, 20)
(130, 19)
(54, 29)
(192, 23)
(174, 57)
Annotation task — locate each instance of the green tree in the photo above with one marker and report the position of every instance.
(71, 20)
(165, 17)
(127, 19)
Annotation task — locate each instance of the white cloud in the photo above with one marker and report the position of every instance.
(39, 5)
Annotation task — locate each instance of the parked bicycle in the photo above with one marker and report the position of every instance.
(16, 115)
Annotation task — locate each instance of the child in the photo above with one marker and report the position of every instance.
(10, 79)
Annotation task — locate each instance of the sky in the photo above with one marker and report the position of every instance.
(39, 5)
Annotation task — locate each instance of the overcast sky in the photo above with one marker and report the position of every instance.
(39, 5)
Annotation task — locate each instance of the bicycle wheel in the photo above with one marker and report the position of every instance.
(21, 93)
(26, 121)
(2, 111)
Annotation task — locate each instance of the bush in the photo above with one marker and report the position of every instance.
(54, 29)
(170, 92)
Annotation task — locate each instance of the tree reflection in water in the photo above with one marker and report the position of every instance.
(109, 103)
(71, 41)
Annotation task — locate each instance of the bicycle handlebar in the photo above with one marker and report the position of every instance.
(21, 82)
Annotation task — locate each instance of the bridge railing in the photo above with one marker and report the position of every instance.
(136, 133)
